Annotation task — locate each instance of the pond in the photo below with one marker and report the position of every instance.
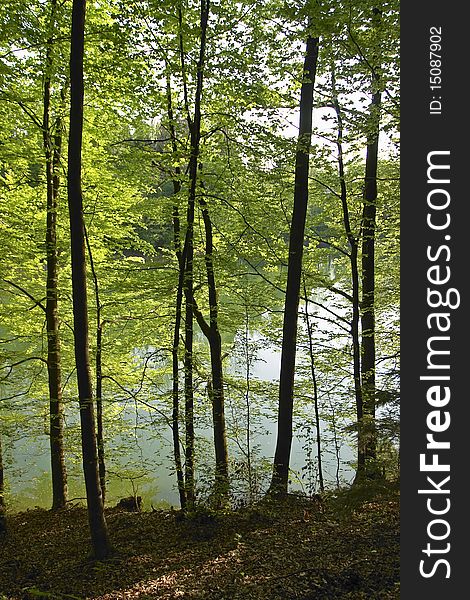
(139, 455)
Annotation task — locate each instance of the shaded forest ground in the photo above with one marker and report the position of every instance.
(301, 549)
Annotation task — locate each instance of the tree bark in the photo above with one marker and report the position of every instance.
(353, 260)
(194, 125)
(180, 257)
(175, 391)
(52, 145)
(96, 518)
(189, 393)
(315, 391)
(367, 440)
(212, 334)
(280, 476)
(99, 406)
(98, 373)
(3, 521)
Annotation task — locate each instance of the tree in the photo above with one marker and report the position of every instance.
(296, 242)
(181, 259)
(211, 330)
(366, 433)
(52, 141)
(96, 518)
(315, 390)
(3, 523)
(98, 373)
(353, 255)
(216, 387)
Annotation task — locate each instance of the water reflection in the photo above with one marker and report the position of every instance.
(139, 457)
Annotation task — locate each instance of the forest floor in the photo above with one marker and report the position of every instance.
(299, 549)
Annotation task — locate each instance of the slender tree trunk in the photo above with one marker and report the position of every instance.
(181, 258)
(96, 518)
(367, 442)
(212, 334)
(175, 394)
(355, 337)
(188, 288)
(368, 432)
(52, 150)
(3, 521)
(247, 403)
(218, 415)
(189, 391)
(280, 476)
(99, 406)
(353, 260)
(315, 391)
(194, 125)
(98, 373)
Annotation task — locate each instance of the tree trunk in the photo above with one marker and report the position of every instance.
(212, 334)
(98, 373)
(194, 125)
(315, 391)
(188, 288)
(251, 490)
(175, 396)
(367, 439)
(189, 395)
(353, 260)
(99, 407)
(280, 476)
(218, 416)
(52, 150)
(368, 442)
(3, 521)
(97, 522)
(181, 258)
(188, 357)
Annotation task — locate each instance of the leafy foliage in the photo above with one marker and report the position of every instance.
(141, 76)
